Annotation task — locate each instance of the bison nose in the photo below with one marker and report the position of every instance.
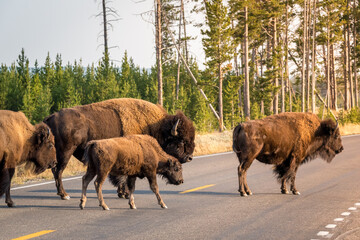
(190, 158)
(180, 181)
(340, 150)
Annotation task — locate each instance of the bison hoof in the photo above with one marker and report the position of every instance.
(123, 195)
(249, 193)
(284, 191)
(164, 206)
(243, 194)
(132, 207)
(106, 208)
(11, 204)
(296, 192)
(66, 197)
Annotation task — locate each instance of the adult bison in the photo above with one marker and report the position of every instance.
(285, 140)
(74, 127)
(21, 142)
(134, 156)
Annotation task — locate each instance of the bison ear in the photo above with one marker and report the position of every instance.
(170, 162)
(328, 127)
(43, 134)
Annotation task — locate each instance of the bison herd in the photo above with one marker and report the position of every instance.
(128, 138)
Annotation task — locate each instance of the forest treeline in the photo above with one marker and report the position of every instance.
(262, 58)
(40, 91)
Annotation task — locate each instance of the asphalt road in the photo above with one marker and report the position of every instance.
(214, 212)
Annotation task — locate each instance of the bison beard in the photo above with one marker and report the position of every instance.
(74, 127)
(286, 140)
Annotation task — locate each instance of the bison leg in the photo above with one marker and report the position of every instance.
(86, 179)
(123, 190)
(63, 160)
(243, 186)
(154, 187)
(292, 185)
(131, 186)
(100, 179)
(283, 186)
(9, 175)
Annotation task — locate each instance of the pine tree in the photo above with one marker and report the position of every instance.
(217, 45)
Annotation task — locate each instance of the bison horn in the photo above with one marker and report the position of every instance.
(48, 132)
(337, 124)
(174, 129)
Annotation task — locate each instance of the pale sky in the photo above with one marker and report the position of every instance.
(70, 28)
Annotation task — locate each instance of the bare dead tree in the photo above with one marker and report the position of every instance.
(108, 15)
(303, 77)
(246, 53)
(158, 43)
(355, 55)
(313, 78)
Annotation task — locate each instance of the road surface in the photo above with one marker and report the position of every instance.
(212, 209)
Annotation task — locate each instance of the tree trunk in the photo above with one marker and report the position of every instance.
(350, 76)
(303, 79)
(287, 56)
(313, 78)
(307, 72)
(105, 28)
(334, 83)
(184, 24)
(221, 120)
(346, 80)
(178, 69)
(159, 50)
(355, 65)
(246, 85)
(276, 80)
(328, 61)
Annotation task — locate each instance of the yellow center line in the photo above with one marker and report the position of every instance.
(198, 188)
(33, 235)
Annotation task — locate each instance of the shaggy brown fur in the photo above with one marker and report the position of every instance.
(74, 127)
(21, 142)
(133, 156)
(285, 140)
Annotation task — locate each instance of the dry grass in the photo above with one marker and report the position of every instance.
(205, 144)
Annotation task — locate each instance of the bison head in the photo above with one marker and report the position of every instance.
(332, 145)
(44, 153)
(173, 172)
(178, 135)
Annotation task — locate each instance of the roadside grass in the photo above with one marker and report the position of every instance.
(205, 144)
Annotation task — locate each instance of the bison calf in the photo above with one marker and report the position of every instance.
(134, 156)
(21, 142)
(285, 140)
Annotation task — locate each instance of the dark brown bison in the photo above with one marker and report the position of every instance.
(74, 127)
(134, 156)
(21, 142)
(285, 140)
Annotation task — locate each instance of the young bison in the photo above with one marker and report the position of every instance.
(134, 156)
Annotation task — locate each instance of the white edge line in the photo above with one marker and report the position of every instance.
(215, 154)
(78, 177)
(44, 183)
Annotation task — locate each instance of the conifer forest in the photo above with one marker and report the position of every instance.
(263, 57)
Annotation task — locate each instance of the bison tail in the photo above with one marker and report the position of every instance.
(86, 156)
(236, 132)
